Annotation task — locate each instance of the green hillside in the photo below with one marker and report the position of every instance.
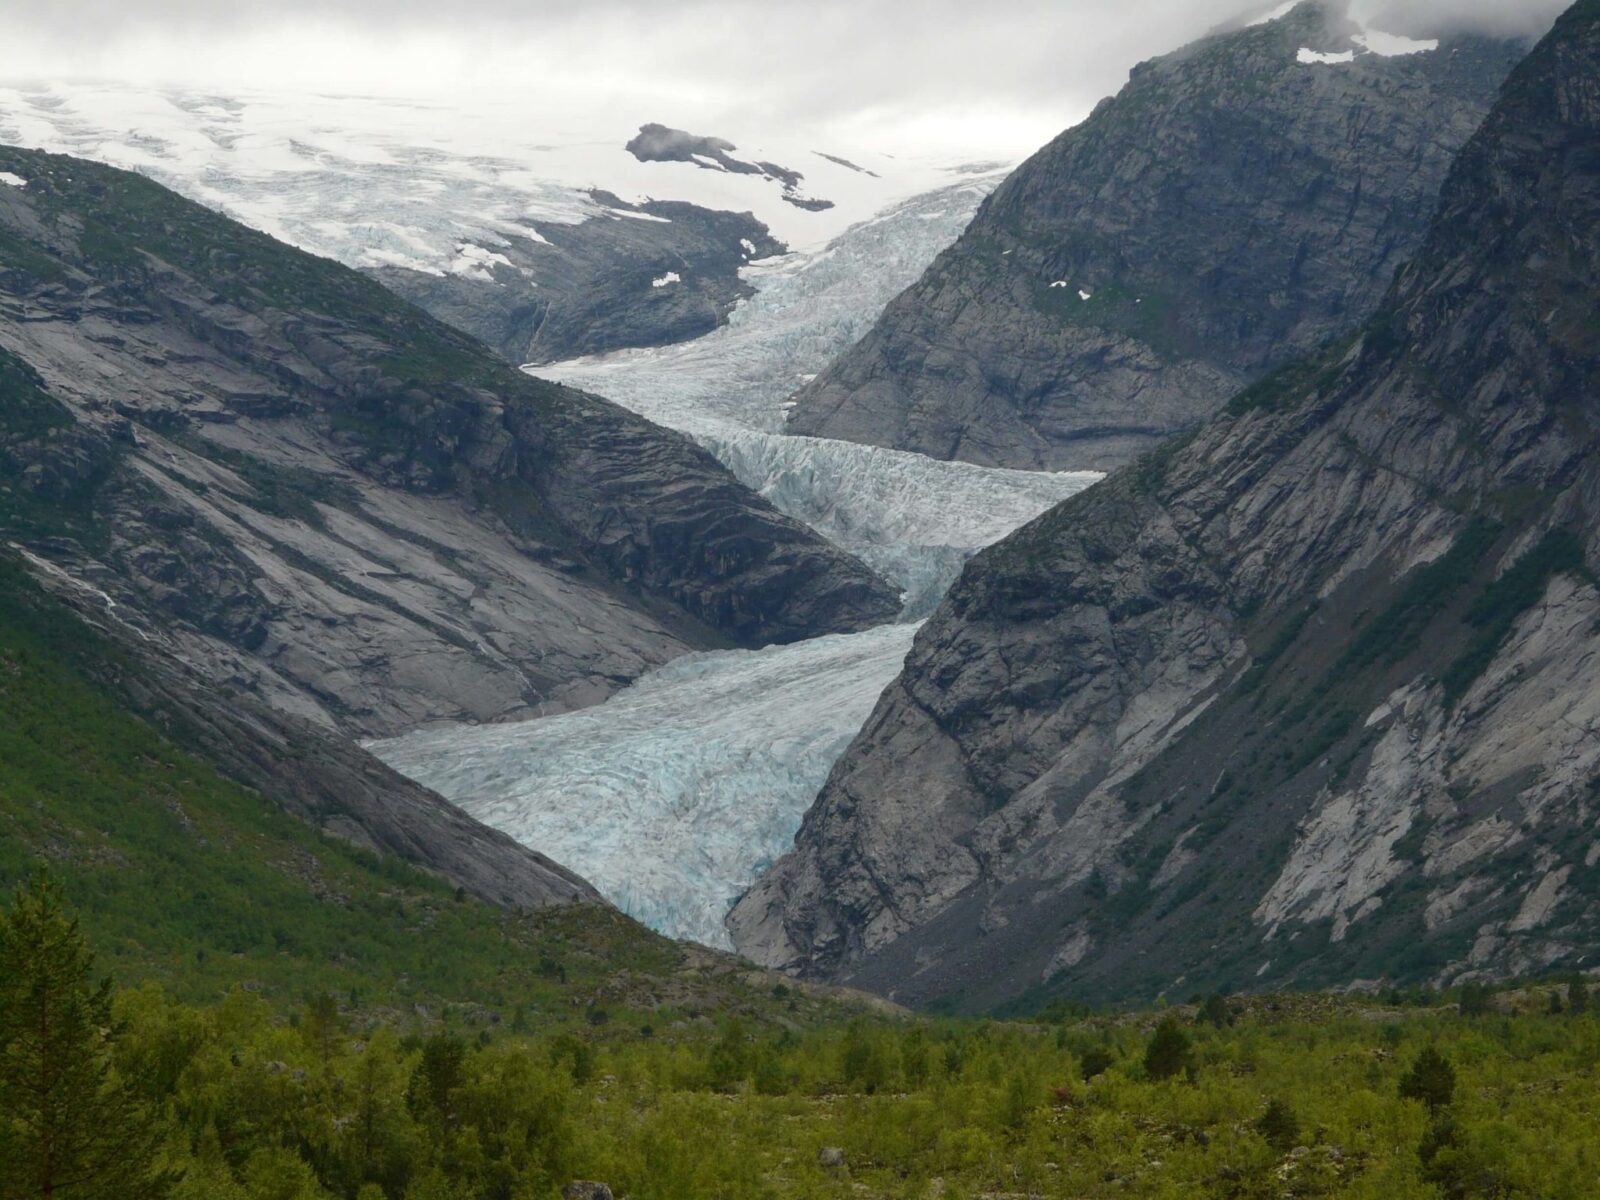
(185, 878)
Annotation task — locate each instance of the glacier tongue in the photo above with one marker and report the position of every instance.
(675, 794)
(807, 310)
(915, 520)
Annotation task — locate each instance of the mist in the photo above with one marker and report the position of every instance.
(1005, 77)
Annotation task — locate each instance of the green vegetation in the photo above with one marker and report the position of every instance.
(56, 497)
(26, 407)
(1426, 592)
(1301, 1096)
(69, 1125)
(183, 877)
(1127, 307)
(1297, 381)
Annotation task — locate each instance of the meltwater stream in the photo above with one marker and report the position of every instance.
(676, 793)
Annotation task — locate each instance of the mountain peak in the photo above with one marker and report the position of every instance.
(1305, 697)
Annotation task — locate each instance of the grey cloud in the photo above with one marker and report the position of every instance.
(811, 58)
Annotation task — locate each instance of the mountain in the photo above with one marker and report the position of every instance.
(649, 274)
(183, 827)
(79, 678)
(1308, 696)
(327, 499)
(544, 227)
(1237, 204)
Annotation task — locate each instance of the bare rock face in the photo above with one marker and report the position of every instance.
(647, 274)
(1310, 697)
(305, 768)
(338, 505)
(1232, 208)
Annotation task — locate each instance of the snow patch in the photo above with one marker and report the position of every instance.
(639, 216)
(1309, 56)
(10, 180)
(477, 262)
(1276, 14)
(1392, 45)
(1083, 295)
(667, 280)
(1060, 283)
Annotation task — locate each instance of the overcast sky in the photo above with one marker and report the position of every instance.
(1006, 74)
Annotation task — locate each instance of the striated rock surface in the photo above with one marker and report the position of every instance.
(308, 770)
(1310, 697)
(646, 274)
(339, 505)
(1237, 204)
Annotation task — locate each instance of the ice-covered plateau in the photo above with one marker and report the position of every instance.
(675, 794)
(526, 221)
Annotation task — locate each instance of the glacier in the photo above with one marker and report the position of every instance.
(397, 181)
(676, 793)
(915, 520)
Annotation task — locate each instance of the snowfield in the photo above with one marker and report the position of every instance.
(374, 181)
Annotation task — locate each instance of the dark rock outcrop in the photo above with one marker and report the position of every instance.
(1231, 208)
(339, 504)
(637, 275)
(1310, 697)
(658, 143)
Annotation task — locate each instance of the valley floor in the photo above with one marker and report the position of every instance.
(1284, 1097)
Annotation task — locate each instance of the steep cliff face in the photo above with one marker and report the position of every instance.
(336, 503)
(648, 274)
(1312, 696)
(305, 769)
(1237, 204)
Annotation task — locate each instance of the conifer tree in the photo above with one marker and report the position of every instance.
(1577, 995)
(1169, 1051)
(1431, 1079)
(69, 1127)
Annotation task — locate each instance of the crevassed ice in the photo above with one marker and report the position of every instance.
(915, 520)
(808, 308)
(675, 794)
(672, 796)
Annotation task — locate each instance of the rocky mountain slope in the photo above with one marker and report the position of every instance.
(313, 491)
(648, 274)
(1238, 203)
(1308, 696)
(65, 629)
